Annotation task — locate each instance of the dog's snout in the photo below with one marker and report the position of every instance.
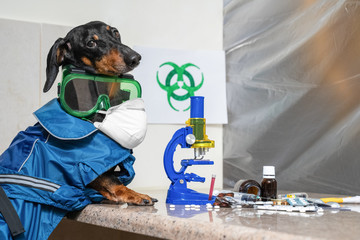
(133, 60)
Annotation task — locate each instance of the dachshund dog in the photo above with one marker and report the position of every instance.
(97, 48)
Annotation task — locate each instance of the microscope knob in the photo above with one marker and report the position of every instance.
(190, 139)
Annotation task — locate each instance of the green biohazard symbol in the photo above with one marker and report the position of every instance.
(180, 83)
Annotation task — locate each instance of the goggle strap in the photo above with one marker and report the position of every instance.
(58, 89)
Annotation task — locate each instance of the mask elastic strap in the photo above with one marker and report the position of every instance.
(101, 112)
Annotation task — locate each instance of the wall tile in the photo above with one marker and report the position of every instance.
(19, 77)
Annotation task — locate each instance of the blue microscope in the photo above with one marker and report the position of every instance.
(192, 136)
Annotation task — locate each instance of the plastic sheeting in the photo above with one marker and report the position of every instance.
(293, 93)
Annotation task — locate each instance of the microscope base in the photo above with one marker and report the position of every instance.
(185, 196)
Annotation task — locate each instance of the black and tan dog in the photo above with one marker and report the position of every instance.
(96, 47)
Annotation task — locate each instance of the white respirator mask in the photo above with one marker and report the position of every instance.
(125, 123)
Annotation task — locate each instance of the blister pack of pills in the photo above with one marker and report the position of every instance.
(296, 202)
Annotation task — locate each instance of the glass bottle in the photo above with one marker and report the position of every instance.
(248, 186)
(268, 184)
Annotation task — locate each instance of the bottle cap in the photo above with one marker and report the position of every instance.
(269, 171)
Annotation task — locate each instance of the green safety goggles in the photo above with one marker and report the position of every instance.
(82, 94)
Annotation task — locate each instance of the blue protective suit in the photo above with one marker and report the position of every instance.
(46, 169)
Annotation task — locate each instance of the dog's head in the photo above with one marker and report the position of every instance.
(95, 47)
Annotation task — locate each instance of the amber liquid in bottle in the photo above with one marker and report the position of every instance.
(268, 189)
(268, 184)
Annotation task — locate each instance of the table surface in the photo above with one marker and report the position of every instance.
(167, 222)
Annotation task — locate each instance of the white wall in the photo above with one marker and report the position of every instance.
(178, 24)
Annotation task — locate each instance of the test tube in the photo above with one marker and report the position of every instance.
(212, 186)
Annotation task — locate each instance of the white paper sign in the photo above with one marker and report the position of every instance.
(169, 77)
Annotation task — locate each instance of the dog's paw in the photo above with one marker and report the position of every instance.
(126, 195)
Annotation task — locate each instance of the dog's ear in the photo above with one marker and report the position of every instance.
(55, 59)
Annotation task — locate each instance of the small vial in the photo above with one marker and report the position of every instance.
(248, 186)
(268, 184)
(212, 186)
